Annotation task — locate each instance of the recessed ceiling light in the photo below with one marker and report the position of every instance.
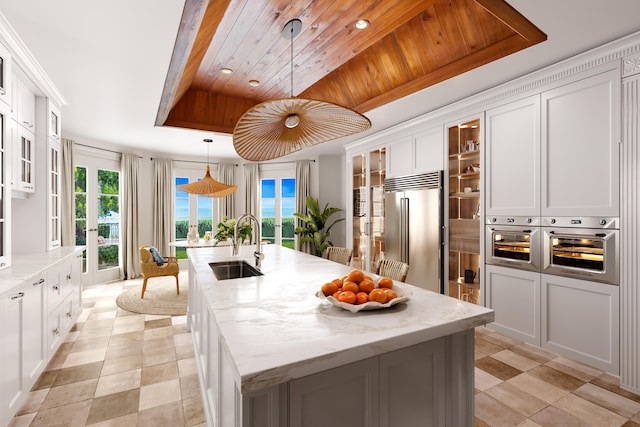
(253, 83)
(226, 71)
(361, 24)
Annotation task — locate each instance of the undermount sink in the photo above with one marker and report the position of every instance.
(233, 270)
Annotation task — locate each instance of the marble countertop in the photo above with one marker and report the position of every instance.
(29, 266)
(275, 328)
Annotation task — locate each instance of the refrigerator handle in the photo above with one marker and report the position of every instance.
(404, 229)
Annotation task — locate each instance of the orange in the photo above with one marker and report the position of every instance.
(338, 281)
(367, 277)
(355, 276)
(351, 286)
(336, 293)
(329, 288)
(390, 293)
(378, 295)
(385, 282)
(367, 285)
(362, 297)
(347, 296)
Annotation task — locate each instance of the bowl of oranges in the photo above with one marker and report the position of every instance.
(357, 292)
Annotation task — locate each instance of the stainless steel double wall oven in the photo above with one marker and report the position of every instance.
(585, 248)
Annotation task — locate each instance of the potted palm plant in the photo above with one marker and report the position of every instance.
(315, 231)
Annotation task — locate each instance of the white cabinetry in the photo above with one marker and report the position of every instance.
(515, 297)
(312, 396)
(417, 153)
(580, 319)
(54, 121)
(40, 212)
(6, 94)
(22, 343)
(5, 199)
(580, 147)
(512, 159)
(24, 106)
(30, 310)
(24, 175)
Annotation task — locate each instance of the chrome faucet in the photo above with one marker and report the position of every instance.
(257, 254)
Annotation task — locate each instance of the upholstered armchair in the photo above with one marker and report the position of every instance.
(154, 265)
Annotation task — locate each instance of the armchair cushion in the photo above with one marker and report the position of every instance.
(156, 256)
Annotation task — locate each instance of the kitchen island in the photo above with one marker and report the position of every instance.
(271, 353)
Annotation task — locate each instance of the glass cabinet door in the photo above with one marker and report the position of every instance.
(359, 163)
(377, 173)
(369, 172)
(464, 211)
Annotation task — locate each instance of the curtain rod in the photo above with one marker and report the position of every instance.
(199, 161)
(276, 163)
(100, 148)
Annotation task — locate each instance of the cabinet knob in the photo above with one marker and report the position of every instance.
(39, 282)
(69, 276)
(69, 314)
(56, 331)
(56, 287)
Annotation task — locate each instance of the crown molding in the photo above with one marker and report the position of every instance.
(23, 58)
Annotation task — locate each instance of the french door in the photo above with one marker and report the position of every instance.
(277, 205)
(97, 200)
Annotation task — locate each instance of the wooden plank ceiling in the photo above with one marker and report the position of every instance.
(409, 46)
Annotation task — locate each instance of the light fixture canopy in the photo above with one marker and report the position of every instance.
(279, 127)
(207, 186)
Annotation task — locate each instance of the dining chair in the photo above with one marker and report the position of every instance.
(339, 254)
(154, 265)
(396, 270)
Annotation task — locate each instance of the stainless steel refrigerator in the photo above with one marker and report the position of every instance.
(413, 227)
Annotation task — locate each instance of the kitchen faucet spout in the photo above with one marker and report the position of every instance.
(257, 254)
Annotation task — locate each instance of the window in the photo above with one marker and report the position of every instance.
(191, 209)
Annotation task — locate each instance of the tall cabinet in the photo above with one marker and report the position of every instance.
(464, 227)
(368, 171)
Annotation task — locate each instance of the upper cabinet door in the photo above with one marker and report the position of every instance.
(5, 75)
(512, 159)
(54, 125)
(580, 150)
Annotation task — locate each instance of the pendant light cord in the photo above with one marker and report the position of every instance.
(292, 61)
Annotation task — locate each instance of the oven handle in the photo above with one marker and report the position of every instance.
(510, 230)
(601, 235)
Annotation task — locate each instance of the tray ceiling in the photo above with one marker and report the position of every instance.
(408, 46)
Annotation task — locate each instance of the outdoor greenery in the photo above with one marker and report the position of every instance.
(288, 230)
(316, 230)
(108, 204)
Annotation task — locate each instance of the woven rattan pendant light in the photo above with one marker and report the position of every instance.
(282, 126)
(207, 186)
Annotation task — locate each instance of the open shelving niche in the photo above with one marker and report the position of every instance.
(464, 210)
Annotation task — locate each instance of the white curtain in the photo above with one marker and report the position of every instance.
(303, 189)
(130, 168)
(225, 204)
(67, 194)
(252, 186)
(163, 212)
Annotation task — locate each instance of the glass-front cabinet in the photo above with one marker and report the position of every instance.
(5, 196)
(464, 228)
(368, 174)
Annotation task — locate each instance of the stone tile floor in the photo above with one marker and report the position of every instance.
(123, 369)
(518, 384)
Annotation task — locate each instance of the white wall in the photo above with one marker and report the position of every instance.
(332, 186)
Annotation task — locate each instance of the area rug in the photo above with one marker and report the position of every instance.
(159, 298)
